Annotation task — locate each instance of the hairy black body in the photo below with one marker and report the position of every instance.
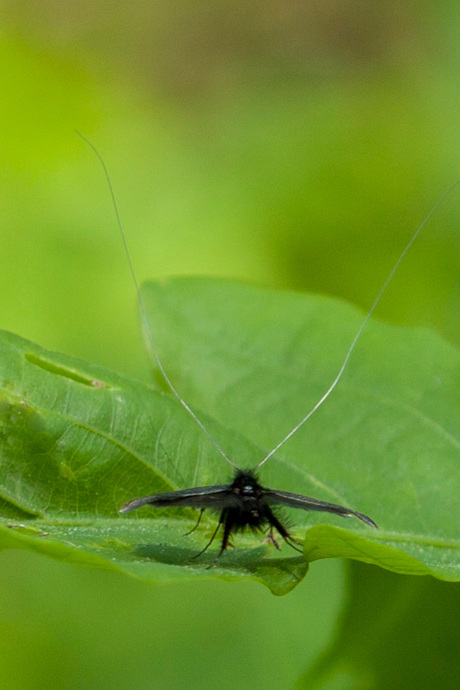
(243, 504)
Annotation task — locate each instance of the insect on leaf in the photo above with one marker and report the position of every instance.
(79, 441)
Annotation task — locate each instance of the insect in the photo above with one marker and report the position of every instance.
(245, 503)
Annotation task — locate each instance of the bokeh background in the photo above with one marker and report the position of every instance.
(293, 144)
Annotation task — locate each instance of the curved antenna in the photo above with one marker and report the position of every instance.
(150, 341)
(362, 326)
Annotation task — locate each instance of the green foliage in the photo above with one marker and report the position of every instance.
(396, 632)
(279, 155)
(77, 441)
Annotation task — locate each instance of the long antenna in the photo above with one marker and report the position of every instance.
(151, 345)
(362, 326)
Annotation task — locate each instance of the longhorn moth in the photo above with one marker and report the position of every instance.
(245, 503)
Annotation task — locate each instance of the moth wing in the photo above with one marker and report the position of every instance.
(274, 497)
(201, 497)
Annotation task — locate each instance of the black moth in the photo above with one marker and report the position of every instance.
(243, 504)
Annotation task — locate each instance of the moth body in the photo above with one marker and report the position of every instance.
(243, 504)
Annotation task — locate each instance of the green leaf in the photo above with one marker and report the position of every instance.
(386, 442)
(78, 441)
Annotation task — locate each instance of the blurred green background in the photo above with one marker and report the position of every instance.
(294, 144)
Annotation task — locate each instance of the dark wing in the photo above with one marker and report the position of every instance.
(273, 497)
(214, 497)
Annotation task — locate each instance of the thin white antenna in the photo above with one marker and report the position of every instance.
(150, 341)
(362, 326)
(151, 345)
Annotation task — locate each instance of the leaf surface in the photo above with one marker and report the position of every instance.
(78, 441)
(386, 442)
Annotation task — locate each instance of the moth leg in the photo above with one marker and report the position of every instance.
(272, 539)
(221, 520)
(228, 526)
(197, 523)
(275, 523)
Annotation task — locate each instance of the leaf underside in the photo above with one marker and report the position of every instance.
(78, 441)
